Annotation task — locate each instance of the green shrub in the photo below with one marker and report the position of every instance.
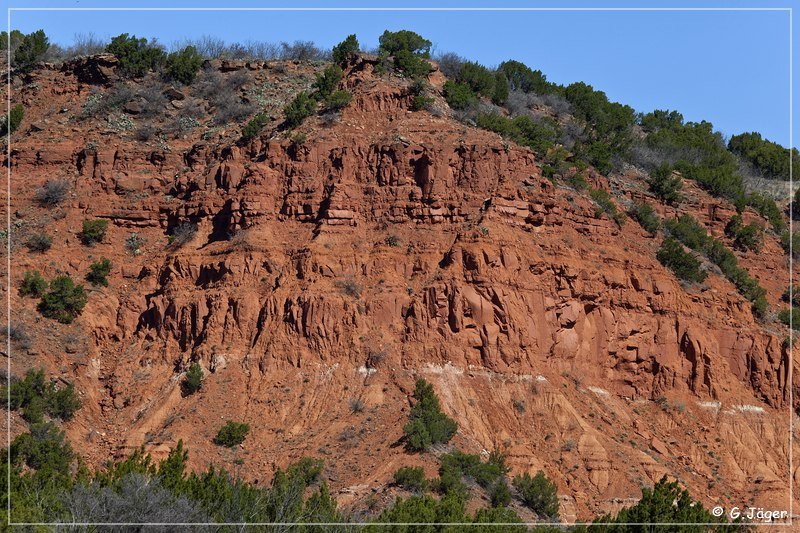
(410, 52)
(392, 42)
(699, 153)
(411, 478)
(479, 78)
(767, 208)
(10, 122)
(500, 494)
(98, 272)
(790, 316)
(11, 41)
(688, 231)
(327, 82)
(136, 56)
(539, 135)
(457, 465)
(522, 78)
(64, 301)
(665, 185)
(193, 380)
(744, 236)
(255, 125)
(39, 242)
(603, 199)
(645, 215)
(428, 424)
(30, 51)
(421, 101)
(93, 231)
(791, 243)
(33, 284)
(500, 93)
(183, 65)
(682, 263)
(770, 158)
(577, 182)
(232, 434)
(665, 503)
(302, 107)
(458, 95)
(346, 49)
(411, 65)
(338, 100)
(36, 396)
(538, 493)
(611, 122)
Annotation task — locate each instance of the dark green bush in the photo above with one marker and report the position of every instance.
(665, 503)
(136, 56)
(428, 424)
(645, 215)
(539, 135)
(790, 316)
(255, 125)
(500, 93)
(538, 493)
(410, 52)
(232, 434)
(688, 231)
(411, 65)
(770, 158)
(346, 49)
(490, 475)
(767, 208)
(99, 271)
(30, 50)
(606, 205)
(411, 478)
(578, 182)
(193, 380)
(10, 122)
(682, 263)
(421, 101)
(64, 301)
(33, 284)
(522, 78)
(39, 242)
(479, 78)
(500, 494)
(666, 185)
(302, 107)
(698, 152)
(93, 231)
(458, 95)
(183, 65)
(13, 41)
(392, 42)
(791, 243)
(36, 396)
(611, 122)
(745, 236)
(327, 82)
(338, 100)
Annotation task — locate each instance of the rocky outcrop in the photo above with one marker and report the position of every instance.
(391, 245)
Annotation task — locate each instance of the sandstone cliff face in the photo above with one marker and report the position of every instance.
(391, 245)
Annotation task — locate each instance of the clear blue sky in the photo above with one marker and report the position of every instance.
(731, 68)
